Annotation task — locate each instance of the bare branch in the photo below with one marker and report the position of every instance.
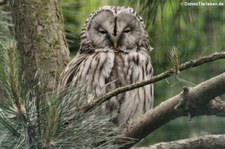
(192, 63)
(192, 101)
(206, 142)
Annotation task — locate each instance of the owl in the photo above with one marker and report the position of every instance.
(114, 52)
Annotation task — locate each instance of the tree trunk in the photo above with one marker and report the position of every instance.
(41, 41)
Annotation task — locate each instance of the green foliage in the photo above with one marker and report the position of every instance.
(50, 120)
(194, 31)
(5, 24)
(36, 120)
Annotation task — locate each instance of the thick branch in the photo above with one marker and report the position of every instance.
(192, 63)
(193, 101)
(205, 142)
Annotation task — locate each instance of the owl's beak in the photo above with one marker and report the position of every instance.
(115, 44)
(114, 39)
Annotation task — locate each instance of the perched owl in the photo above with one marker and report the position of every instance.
(114, 51)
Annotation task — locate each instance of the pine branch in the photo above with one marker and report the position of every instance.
(206, 142)
(189, 64)
(16, 105)
(191, 102)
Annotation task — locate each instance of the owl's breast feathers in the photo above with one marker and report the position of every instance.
(105, 70)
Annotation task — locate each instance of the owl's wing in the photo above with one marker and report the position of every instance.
(136, 102)
(92, 69)
(67, 74)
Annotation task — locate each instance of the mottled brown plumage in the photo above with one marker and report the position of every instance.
(114, 51)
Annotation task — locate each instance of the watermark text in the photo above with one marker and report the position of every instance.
(202, 4)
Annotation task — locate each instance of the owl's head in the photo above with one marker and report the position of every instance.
(119, 28)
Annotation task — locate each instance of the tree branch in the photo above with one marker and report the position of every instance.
(192, 101)
(192, 63)
(206, 142)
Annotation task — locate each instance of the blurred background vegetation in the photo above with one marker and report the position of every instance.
(194, 31)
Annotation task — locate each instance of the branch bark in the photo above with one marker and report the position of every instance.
(192, 101)
(192, 63)
(205, 142)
